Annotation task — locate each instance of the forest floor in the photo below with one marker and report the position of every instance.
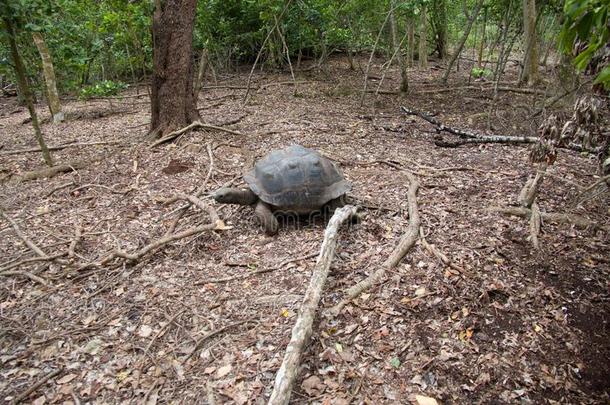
(516, 325)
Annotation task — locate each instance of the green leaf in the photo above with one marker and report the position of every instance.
(395, 362)
(603, 77)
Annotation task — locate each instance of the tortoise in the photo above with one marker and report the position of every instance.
(294, 180)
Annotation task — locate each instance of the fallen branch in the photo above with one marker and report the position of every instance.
(465, 134)
(57, 147)
(483, 139)
(286, 375)
(164, 241)
(406, 242)
(193, 125)
(55, 170)
(27, 274)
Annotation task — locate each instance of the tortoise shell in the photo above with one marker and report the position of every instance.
(297, 178)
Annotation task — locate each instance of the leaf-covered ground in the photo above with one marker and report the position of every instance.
(513, 325)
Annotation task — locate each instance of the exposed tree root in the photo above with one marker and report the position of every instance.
(193, 125)
(576, 220)
(37, 385)
(286, 375)
(406, 242)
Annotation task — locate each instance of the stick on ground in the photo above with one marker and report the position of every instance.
(286, 375)
(406, 242)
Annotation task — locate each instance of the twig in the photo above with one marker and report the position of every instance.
(37, 385)
(286, 375)
(406, 242)
(202, 339)
(32, 260)
(24, 238)
(437, 253)
(163, 329)
(27, 274)
(75, 240)
(259, 271)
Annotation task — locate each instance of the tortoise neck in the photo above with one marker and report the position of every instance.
(245, 197)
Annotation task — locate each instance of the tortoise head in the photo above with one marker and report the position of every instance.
(235, 196)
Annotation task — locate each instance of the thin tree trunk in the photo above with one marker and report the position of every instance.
(530, 74)
(49, 77)
(423, 42)
(173, 104)
(203, 68)
(458, 50)
(410, 40)
(404, 82)
(482, 44)
(24, 87)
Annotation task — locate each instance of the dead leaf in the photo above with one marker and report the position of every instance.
(313, 386)
(422, 400)
(145, 331)
(223, 371)
(66, 379)
(40, 400)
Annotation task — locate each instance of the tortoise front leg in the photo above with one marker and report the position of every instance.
(266, 218)
(338, 202)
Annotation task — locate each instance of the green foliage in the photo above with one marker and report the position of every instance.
(478, 72)
(102, 89)
(586, 24)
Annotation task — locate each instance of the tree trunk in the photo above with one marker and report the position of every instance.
(24, 87)
(49, 78)
(482, 44)
(529, 74)
(458, 50)
(404, 82)
(173, 104)
(410, 40)
(423, 44)
(439, 8)
(203, 68)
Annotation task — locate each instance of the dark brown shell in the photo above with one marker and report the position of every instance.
(297, 178)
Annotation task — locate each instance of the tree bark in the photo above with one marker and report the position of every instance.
(458, 50)
(404, 81)
(423, 42)
(439, 18)
(24, 87)
(482, 44)
(530, 74)
(49, 78)
(173, 104)
(410, 40)
(203, 68)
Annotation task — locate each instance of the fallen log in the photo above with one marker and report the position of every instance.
(286, 375)
(406, 242)
(440, 127)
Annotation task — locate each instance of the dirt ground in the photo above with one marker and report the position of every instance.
(516, 325)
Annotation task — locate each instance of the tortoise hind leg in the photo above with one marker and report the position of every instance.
(266, 218)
